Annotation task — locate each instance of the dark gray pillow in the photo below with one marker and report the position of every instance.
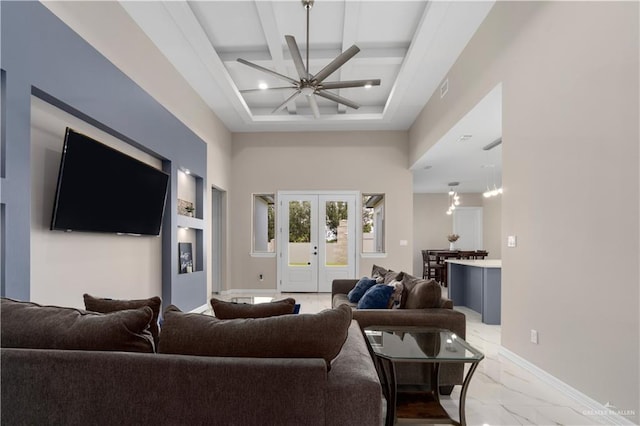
(106, 306)
(32, 326)
(423, 295)
(318, 335)
(232, 310)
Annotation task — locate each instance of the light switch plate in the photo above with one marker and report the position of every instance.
(512, 241)
(404, 243)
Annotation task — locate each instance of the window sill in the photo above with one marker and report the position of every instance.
(373, 255)
(262, 254)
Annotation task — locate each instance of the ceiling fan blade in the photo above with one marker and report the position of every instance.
(336, 63)
(268, 88)
(297, 58)
(313, 103)
(268, 71)
(351, 83)
(284, 104)
(339, 99)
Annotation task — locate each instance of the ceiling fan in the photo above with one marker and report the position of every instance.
(312, 85)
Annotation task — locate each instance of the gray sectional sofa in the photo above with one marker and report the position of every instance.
(104, 387)
(438, 314)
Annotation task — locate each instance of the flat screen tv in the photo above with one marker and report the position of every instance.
(101, 189)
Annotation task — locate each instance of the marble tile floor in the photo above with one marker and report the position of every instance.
(500, 392)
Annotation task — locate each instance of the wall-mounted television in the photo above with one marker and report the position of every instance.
(101, 189)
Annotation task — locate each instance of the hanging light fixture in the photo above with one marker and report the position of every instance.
(495, 191)
(454, 198)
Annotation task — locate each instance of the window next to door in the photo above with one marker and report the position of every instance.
(263, 226)
(373, 234)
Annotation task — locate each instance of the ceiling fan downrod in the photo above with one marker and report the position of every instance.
(308, 4)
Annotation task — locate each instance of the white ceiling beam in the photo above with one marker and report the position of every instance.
(350, 27)
(274, 39)
(392, 54)
(175, 30)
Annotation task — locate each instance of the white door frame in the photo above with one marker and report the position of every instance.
(280, 265)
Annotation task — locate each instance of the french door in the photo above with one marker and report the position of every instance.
(317, 239)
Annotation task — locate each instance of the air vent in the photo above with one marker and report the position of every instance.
(444, 88)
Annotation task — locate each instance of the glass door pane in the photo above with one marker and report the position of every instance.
(336, 233)
(299, 233)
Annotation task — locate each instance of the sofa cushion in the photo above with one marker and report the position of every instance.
(106, 306)
(423, 294)
(318, 335)
(377, 297)
(231, 310)
(32, 326)
(360, 289)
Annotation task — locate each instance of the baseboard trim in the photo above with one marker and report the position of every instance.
(609, 414)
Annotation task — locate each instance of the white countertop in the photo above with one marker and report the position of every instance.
(480, 263)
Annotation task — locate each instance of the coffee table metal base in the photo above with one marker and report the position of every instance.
(419, 402)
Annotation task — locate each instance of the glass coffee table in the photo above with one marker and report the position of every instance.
(392, 345)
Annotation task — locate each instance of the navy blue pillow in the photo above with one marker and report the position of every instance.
(377, 297)
(360, 289)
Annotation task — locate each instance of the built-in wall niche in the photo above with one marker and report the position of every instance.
(189, 250)
(189, 187)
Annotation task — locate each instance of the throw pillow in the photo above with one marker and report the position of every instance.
(106, 306)
(377, 297)
(424, 294)
(318, 335)
(33, 326)
(360, 289)
(230, 310)
(378, 273)
(396, 297)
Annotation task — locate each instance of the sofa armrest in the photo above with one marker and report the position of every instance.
(342, 286)
(446, 303)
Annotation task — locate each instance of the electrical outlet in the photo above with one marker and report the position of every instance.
(534, 336)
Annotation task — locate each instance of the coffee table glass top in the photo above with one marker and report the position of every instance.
(413, 344)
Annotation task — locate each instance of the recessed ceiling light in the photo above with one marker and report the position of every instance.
(262, 85)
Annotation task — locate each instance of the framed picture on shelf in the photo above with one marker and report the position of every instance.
(185, 258)
(185, 208)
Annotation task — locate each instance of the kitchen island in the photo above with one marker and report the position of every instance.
(476, 284)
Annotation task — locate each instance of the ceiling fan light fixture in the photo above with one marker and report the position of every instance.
(310, 84)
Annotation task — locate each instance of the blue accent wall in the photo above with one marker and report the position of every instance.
(41, 56)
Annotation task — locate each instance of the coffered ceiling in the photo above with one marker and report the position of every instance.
(409, 45)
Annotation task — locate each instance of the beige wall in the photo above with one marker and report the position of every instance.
(431, 224)
(370, 162)
(570, 175)
(108, 28)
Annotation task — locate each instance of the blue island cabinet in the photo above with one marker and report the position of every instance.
(476, 284)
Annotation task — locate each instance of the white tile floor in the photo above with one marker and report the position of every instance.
(501, 392)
